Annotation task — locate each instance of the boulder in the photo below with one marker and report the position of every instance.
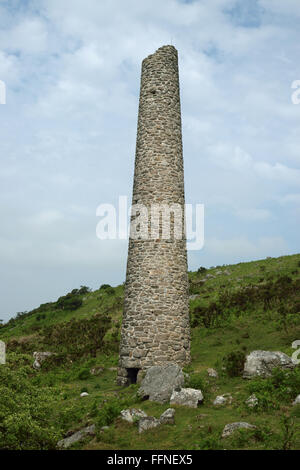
(190, 397)
(168, 416)
(231, 427)
(77, 436)
(148, 422)
(212, 373)
(160, 382)
(40, 357)
(261, 363)
(297, 400)
(252, 401)
(132, 414)
(223, 399)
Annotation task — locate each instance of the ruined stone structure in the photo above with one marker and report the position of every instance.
(155, 329)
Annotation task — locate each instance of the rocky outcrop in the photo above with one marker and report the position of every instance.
(160, 382)
(77, 436)
(132, 414)
(168, 416)
(261, 363)
(223, 399)
(252, 401)
(147, 423)
(187, 397)
(231, 427)
(40, 357)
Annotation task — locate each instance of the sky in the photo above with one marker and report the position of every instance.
(68, 131)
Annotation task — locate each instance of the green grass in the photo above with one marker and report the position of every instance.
(247, 325)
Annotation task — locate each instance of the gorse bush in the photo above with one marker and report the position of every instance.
(282, 387)
(234, 363)
(25, 412)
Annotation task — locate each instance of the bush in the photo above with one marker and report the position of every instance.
(84, 374)
(25, 412)
(201, 270)
(195, 381)
(234, 363)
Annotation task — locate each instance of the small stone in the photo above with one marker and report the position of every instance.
(168, 416)
(77, 436)
(97, 370)
(252, 401)
(132, 414)
(223, 399)
(297, 400)
(212, 373)
(187, 397)
(231, 427)
(84, 394)
(148, 423)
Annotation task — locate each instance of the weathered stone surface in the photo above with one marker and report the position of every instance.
(297, 400)
(187, 397)
(148, 423)
(261, 363)
(223, 399)
(40, 357)
(160, 381)
(132, 414)
(97, 370)
(168, 416)
(155, 327)
(77, 436)
(212, 373)
(231, 427)
(252, 401)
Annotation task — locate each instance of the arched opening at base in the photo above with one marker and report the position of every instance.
(132, 375)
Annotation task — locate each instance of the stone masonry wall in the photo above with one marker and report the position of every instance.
(155, 328)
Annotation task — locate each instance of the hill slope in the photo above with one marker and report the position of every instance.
(234, 309)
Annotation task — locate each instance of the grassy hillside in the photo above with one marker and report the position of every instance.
(234, 309)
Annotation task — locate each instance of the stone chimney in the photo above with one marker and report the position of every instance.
(155, 327)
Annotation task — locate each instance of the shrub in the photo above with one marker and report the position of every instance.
(84, 374)
(195, 381)
(25, 412)
(234, 363)
(201, 270)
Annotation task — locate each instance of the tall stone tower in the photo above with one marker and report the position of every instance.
(155, 328)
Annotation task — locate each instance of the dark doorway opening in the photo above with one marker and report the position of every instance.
(132, 375)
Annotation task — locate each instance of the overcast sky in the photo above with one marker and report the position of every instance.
(68, 130)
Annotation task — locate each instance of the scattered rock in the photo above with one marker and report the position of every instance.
(84, 394)
(168, 416)
(297, 400)
(40, 357)
(210, 276)
(130, 415)
(252, 401)
(227, 272)
(112, 368)
(190, 397)
(160, 382)
(261, 363)
(97, 370)
(77, 436)
(148, 422)
(231, 427)
(212, 373)
(223, 399)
